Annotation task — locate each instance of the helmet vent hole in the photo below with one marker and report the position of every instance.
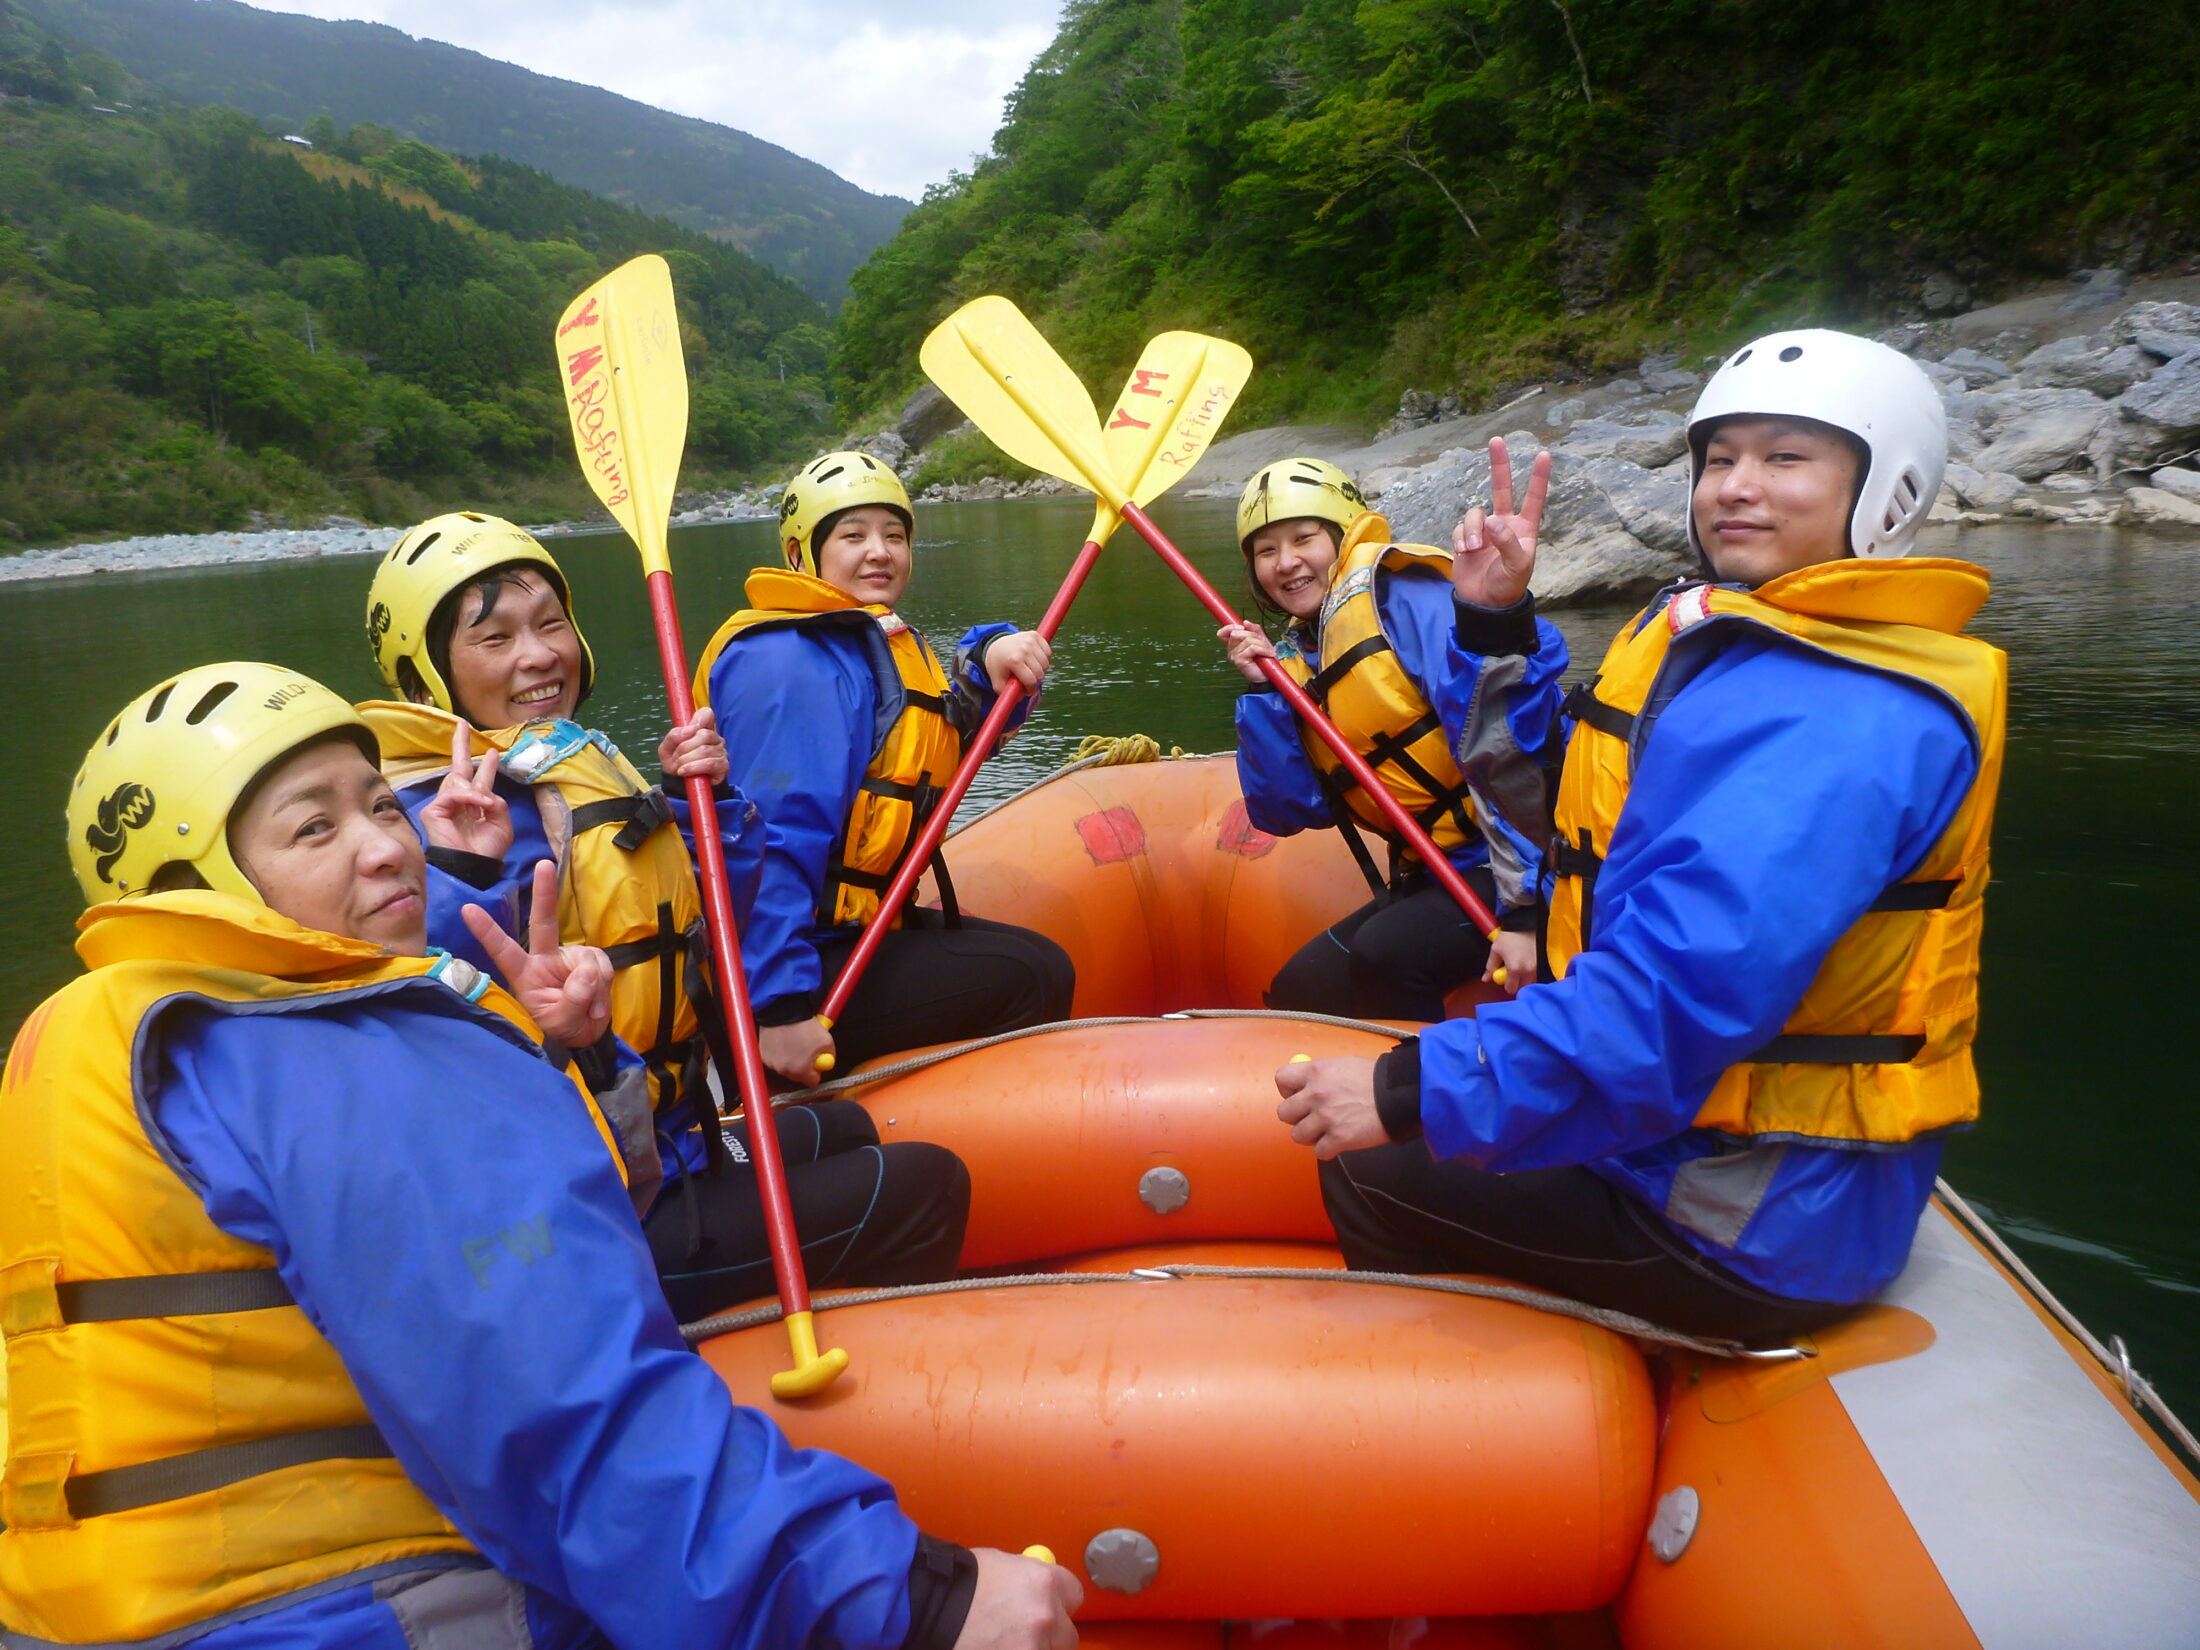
(1745, 355)
(113, 728)
(159, 704)
(470, 516)
(421, 549)
(208, 702)
(1794, 352)
(834, 471)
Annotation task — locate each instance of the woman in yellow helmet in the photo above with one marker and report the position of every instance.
(845, 728)
(471, 621)
(328, 1321)
(1445, 697)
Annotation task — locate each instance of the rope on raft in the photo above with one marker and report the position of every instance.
(953, 1051)
(1619, 1323)
(1098, 750)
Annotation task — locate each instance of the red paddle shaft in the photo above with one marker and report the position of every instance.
(928, 840)
(1400, 821)
(733, 986)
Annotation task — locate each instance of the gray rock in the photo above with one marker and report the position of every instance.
(1563, 413)
(2085, 364)
(1651, 446)
(2169, 346)
(2037, 432)
(2152, 315)
(1587, 553)
(1976, 370)
(2067, 481)
(2156, 507)
(2169, 401)
(1942, 294)
(2097, 289)
(1664, 375)
(928, 416)
(1624, 386)
(1983, 489)
(887, 447)
(1652, 504)
(2184, 483)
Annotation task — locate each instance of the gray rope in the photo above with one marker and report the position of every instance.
(919, 1062)
(1619, 1323)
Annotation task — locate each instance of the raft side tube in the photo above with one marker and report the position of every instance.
(1298, 1449)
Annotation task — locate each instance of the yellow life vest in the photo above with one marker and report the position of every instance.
(915, 746)
(1879, 1050)
(182, 1443)
(625, 882)
(1375, 704)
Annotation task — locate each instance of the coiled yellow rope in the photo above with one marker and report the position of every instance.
(1101, 750)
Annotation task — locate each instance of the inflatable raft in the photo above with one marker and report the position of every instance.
(1161, 1371)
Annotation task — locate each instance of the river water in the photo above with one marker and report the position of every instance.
(2090, 1145)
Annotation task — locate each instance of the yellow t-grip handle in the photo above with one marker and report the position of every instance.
(1300, 1060)
(824, 1062)
(1497, 975)
(1045, 1555)
(813, 1370)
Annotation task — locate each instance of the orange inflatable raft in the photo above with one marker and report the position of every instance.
(1278, 1457)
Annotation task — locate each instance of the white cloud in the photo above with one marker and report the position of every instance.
(892, 97)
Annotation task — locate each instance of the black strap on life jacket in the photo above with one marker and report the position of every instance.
(1790, 1049)
(923, 797)
(1394, 749)
(1583, 705)
(637, 816)
(187, 1295)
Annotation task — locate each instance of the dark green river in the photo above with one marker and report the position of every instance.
(2086, 1154)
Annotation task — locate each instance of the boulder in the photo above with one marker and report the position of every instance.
(1652, 504)
(928, 416)
(1652, 444)
(1624, 386)
(1664, 375)
(2037, 432)
(887, 447)
(2166, 346)
(1976, 370)
(1942, 294)
(2169, 401)
(2156, 507)
(2085, 364)
(2164, 319)
(1588, 552)
(2184, 483)
(2097, 289)
(1983, 489)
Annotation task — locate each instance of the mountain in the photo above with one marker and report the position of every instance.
(800, 218)
(1471, 196)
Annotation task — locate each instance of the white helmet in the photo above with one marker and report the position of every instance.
(1876, 394)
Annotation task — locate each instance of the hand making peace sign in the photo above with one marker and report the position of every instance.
(1493, 555)
(567, 988)
(467, 814)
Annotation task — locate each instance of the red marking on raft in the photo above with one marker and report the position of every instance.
(1240, 836)
(1112, 835)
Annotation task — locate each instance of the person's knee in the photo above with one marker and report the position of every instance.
(840, 1125)
(933, 1175)
(1056, 977)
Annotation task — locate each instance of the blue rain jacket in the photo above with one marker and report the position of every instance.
(1283, 796)
(1780, 792)
(802, 711)
(447, 1215)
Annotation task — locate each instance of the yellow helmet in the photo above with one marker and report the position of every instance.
(1295, 487)
(159, 784)
(826, 486)
(420, 572)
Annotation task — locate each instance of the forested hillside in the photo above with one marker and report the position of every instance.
(797, 216)
(1376, 194)
(198, 321)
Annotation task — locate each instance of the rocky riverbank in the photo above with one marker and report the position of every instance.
(2078, 407)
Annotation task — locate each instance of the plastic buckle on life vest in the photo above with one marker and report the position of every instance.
(459, 974)
(1688, 607)
(542, 747)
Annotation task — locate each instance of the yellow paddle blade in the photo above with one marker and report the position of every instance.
(991, 362)
(1171, 406)
(626, 391)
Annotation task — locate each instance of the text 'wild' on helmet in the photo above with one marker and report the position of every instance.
(1877, 395)
(1295, 487)
(823, 488)
(158, 786)
(421, 572)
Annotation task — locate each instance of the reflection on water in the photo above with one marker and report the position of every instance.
(2091, 1141)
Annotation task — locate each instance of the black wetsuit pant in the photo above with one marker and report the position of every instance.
(865, 1213)
(1396, 958)
(1397, 1208)
(931, 983)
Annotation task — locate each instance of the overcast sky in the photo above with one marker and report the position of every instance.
(892, 96)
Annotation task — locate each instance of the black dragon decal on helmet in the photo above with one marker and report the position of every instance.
(126, 808)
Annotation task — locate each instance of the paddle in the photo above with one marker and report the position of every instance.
(1025, 398)
(618, 348)
(1170, 408)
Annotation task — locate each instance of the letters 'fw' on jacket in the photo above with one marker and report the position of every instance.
(843, 728)
(625, 879)
(1451, 704)
(1774, 823)
(326, 1310)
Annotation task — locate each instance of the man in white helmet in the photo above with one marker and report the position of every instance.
(1725, 1110)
